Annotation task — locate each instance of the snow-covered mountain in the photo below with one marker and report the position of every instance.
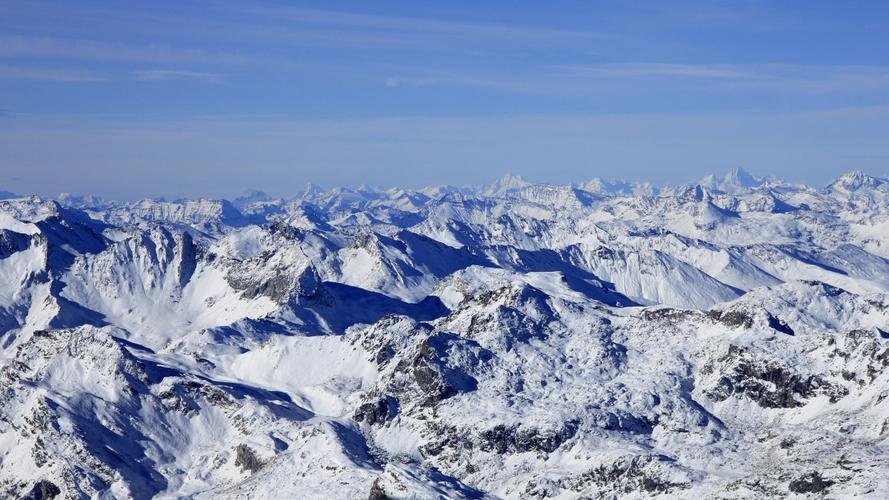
(724, 339)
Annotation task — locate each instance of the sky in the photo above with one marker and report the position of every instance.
(126, 99)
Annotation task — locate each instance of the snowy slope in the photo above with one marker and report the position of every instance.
(727, 339)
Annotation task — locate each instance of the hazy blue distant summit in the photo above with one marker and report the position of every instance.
(736, 180)
(507, 183)
(856, 180)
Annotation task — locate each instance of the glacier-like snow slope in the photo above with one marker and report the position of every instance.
(608, 339)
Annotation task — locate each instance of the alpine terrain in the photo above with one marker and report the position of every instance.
(728, 338)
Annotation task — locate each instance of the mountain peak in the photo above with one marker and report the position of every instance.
(510, 182)
(741, 177)
(855, 180)
(311, 189)
(736, 180)
(251, 196)
(79, 201)
(618, 187)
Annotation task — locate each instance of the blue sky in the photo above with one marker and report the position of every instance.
(130, 99)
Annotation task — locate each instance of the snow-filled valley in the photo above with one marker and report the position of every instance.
(723, 339)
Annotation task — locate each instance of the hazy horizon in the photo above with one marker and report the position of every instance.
(180, 99)
(288, 192)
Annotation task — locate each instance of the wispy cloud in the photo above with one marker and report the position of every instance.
(509, 83)
(175, 74)
(409, 24)
(669, 70)
(23, 46)
(49, 75)
(820, 79)
(802, 77)
(278, 24)
(580, 79)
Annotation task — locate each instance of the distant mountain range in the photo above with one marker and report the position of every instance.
(722, 339)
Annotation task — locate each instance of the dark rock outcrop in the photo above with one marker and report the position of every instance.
(246, 459)
(377, 412)
(504, 439)
(810, 483)
(43, 490)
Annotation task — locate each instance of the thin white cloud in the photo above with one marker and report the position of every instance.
(175, 74)
(581, 79)
(520, 84)
(408, 24)
(23, 46)
(820, 79)
(803, 77)
(277, 24)
(49, 74)
(637, 70)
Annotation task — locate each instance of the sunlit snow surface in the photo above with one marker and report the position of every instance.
(725, 339)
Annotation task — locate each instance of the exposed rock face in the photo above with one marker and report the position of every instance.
(502, 439)
(246, 458)
(377, 412)
(765, 382)
(12, 242)
(648, 474)
(43, 490)
(731, 318)
(810, 483)
(282, 283)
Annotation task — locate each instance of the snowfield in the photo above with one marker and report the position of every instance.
(726, 339)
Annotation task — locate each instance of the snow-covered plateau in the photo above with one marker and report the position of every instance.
(724, 339)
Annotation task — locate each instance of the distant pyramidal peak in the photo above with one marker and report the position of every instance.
(740, 177)
(510, 182)
(734, 181)
(856, 180)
